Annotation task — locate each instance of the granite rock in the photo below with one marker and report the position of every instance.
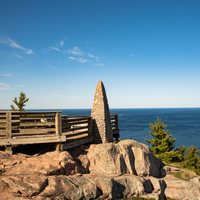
(126, 157)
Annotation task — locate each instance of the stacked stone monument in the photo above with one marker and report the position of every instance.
(102, 129)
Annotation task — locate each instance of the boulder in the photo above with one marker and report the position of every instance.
(71, 187)
(126, 157)
(108, 186)
(25, 186)
(51, 163)
(181, 189)
(131, 185)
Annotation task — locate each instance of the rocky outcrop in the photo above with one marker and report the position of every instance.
(179, 189)
(91, 186)
(126, 157)
(103, 171)
(51, 163)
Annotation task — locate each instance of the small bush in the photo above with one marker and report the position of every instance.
(116, 141)
(191, 159)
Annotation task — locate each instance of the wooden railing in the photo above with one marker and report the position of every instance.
(17, 128)
(30, 127)
(78, 130)
(75, 126)
(114, 125)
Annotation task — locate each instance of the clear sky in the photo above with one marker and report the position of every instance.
(146, 52)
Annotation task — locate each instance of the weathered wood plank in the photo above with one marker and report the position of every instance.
(77, 128)
(58, 127)
(76, 123)
(34, 112)
(71, 136)
(15, 121)
(77, 119)
(18, 141)
(14, 116)
(58, 124)
(3, 120)
(74, 135)
(2, 132)
(35, 131)
(34, 136)
(2, 125)
(15, 127)
(70, 145)
(69, 131)
(37, 118)
(8, 125)
(36, 123)
(8, 132)
(114, 114)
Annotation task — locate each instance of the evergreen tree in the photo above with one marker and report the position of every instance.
(162, 147)
(191, 159)
(162, 142)
(21, 103)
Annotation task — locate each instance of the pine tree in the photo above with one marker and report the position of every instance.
(162, 147)
(162, 142)
(21, 103)
(191, 159)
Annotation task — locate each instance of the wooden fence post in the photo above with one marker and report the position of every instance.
(8, 132)
(90, 125)
(116, 121)
(58, 127)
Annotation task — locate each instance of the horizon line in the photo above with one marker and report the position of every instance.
(109, 108)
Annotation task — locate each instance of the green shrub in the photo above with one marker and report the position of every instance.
(117, 141)
(191, 159)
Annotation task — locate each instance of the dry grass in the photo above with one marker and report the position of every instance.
(185, 175)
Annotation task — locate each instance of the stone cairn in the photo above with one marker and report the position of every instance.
(102, 129)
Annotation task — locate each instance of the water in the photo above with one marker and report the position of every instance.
(183, 123)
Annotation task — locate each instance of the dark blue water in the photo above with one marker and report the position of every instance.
(183, 123)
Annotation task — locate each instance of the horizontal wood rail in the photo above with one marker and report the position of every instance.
(73, 128)
(114, 125)
(19, 128)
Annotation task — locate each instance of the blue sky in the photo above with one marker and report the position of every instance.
(146, 52)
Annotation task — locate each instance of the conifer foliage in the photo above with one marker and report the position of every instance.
(162, 142)
(191, 159)
(162, 148)
(21, 103)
